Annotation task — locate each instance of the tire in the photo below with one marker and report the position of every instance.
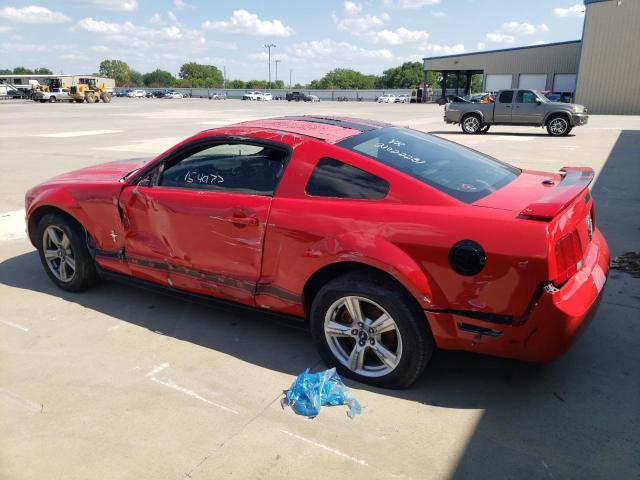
(558, 126)
(106, 98)
(90, 98)
(471, 124)
(52, 100)
(407, 346)
(62, 240)
(485, 128)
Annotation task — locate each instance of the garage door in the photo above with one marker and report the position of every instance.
(497, 82)
(533, 81)
(564, 82)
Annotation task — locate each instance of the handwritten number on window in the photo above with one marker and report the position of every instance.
(203, 179)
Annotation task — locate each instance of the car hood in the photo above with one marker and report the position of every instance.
(523, 191)
(103, 173)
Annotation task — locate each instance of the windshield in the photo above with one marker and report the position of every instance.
(458, 171)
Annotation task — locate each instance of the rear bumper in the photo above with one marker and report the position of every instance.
(554, 322)
(578, 119)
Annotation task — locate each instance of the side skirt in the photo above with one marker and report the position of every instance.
(289, 320)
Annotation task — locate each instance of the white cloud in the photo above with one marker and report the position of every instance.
(98, 26)
(509, 32)
(32, 14)
(22, 47)
(539, 42)
(181, 4)
(439, 14)
(481, 45)
(156, 19)
(436, 49)
(353, 21)
(73, 56)
(248, 23)
(100, 48)
(332, 49)
(119, 5)
(5, 28)
(172, 16)
(417, 3)
(576, 10)
(173, 32)
(398, 36)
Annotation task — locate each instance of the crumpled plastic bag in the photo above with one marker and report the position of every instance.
(310, 391)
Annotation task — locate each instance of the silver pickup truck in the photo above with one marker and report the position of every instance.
(55, 95)
(517, 107)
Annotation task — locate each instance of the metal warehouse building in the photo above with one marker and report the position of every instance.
(601, 71)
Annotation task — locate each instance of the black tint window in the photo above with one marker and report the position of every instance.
(526, 96)
(237, 167)
(451, 168)
(332, 178)
(506, 96)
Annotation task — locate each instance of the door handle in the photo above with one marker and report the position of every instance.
(507, 106)
(241, 220)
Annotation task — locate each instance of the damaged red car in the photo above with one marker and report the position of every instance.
(390, 242)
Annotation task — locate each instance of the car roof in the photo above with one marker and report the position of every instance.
(328, 129)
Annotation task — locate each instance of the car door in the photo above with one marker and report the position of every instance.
(196, 220)
(503, 107)
(65, 94)
(527, 108)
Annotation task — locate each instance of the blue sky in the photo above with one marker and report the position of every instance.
(73, 36)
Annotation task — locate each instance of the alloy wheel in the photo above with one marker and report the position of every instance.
(59, 254)
(471, 124)
(558, 126)
(363, 336)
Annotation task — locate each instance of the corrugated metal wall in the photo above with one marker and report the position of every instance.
(549, 59)
(609, 68)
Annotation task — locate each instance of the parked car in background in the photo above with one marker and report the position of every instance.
(137, 94)
(387, 98)
(558, 97)
(251, 95)
(517, 107)
(173, 94)
(313, 98)
(55, 95)
(388, 242)
(265, 96)
(403, 98)
(123, 93)
(298, 97)
(218, 96)
(157, 93)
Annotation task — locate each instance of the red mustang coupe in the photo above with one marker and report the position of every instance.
(389, 241)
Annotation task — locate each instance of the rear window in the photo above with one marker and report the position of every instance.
(458, 171)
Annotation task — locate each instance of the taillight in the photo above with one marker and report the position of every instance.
(568, 257)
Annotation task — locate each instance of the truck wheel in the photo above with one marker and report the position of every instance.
(471, 124)
(52, 99)
(558, 126)
(64, 254)
(106, 98)
(371, 330)
(485, 128)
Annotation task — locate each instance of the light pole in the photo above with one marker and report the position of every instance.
(269, 46)
(277, 62)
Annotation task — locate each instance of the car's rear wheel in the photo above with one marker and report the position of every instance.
(64, 253)
(52, 99)
(558, 126)
(471, 124)
(371, 330)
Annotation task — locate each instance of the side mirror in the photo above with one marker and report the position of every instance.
(538, 100)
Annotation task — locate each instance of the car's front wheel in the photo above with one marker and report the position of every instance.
(64, 253)
(558, 126)
(371, 330)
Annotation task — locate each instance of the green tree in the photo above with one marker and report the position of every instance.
(201, 75)
(22, 71)
(159, 78)
(135, 79)
(235, 84)
(261, 84)
(116, 69)
(42, 71)
(407, 75)
(344, 78)
(299, 86)
(5, 71)
(278, 84)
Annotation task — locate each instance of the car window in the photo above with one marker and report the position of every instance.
(332, 178)
(526, 96)
(451, 168)
(236, 167)
(506, 96)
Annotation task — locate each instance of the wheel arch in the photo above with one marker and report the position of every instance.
(551, 115)
(39, 212)
(477, 113)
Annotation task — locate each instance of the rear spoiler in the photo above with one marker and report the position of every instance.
(574, 181)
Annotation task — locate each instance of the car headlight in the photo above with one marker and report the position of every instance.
(575, 109)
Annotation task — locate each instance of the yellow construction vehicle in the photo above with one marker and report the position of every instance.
(87, 90)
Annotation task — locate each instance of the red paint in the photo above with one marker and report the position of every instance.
(261, 251)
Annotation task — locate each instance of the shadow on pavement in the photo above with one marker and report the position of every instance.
(493, 133)
(575, 418)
